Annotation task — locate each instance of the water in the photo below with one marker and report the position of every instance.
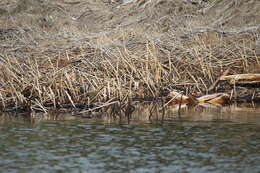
(214, 143)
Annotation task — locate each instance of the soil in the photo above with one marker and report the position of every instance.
(59, 21)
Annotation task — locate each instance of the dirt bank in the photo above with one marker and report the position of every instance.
(58, 20)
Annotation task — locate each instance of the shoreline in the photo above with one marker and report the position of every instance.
(120, 53)
(90, 78)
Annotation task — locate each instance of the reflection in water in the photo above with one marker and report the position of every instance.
(240, 113)
(202, 141)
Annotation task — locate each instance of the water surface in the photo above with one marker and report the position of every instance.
(195, 143)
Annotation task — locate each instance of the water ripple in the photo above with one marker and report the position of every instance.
(81, 146)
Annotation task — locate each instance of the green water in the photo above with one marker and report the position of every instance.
(170, 145)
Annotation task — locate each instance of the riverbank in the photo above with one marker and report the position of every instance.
(61, 65)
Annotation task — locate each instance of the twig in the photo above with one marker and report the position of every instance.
(218, 79)
(104, 105)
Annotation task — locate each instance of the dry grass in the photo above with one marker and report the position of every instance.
(91, 78)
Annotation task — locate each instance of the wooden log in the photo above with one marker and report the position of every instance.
(216, 98)
(245, 80)
(176, 97)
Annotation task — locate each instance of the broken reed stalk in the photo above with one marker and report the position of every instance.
(99, 107)
(212, 87)
(179, 108)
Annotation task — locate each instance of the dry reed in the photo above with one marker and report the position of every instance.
(91, 79)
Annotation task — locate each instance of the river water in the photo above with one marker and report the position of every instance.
(199, 141)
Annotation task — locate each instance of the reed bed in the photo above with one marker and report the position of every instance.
(91, 78)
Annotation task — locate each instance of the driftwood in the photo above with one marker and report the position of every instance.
(177, 100)
(216, 98)
(245, 80)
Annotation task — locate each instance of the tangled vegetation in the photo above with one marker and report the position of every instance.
(119, 67)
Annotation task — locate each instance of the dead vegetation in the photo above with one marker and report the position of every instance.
(142, 50)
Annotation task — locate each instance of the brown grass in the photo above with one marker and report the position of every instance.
(91, 78)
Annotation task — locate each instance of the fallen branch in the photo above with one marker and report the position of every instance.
(247, 80)
(218, 79)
